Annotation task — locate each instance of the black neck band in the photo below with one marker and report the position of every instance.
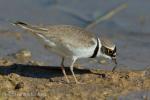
(96, 50)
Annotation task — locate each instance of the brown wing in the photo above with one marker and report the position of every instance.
(74, 36)
(63, 34)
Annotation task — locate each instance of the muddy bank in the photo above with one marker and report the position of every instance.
(34, 80)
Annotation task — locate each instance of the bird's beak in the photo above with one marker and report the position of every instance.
(115, 61)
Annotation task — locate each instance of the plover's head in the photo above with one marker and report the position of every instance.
(108, 49)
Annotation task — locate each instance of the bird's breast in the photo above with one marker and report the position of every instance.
(83, 52)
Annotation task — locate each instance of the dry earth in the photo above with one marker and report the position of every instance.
(33, 80)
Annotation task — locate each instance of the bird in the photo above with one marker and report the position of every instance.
(72, 42)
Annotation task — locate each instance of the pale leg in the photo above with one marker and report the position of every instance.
(63, 70)
(71, 68)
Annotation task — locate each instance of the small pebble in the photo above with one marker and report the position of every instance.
(102, 61)
(23, 53)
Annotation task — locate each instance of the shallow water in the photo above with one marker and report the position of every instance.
(136, 95)
(129, 29)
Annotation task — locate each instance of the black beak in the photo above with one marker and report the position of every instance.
(115, 61)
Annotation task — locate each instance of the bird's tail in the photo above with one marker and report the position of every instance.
(31, 28)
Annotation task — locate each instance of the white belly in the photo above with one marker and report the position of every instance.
(68, 50)
(83, 52)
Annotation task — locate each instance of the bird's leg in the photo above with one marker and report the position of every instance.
(63, 70)
(115, 61)
(71, 68)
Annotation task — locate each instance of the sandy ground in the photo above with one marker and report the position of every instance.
(33, 80)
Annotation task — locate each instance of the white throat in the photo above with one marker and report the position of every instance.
(99, 51)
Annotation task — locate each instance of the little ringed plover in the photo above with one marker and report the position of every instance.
(73, 43)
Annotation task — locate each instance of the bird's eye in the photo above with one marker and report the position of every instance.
(110, 51)
(107, 51)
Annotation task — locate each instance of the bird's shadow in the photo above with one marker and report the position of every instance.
(38, 71)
